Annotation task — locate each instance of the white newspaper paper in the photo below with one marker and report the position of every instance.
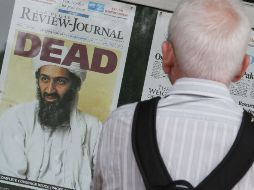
(243, 90)
(156, 82)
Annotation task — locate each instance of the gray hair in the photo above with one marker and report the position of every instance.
(209, 38)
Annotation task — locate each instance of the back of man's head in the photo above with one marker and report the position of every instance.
(209, 38)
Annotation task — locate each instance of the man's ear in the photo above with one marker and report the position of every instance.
(168, 55)
(244, 66)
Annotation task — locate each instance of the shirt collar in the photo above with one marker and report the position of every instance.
(200, 87)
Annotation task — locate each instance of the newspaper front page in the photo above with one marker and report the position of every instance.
(99, 31)
(243, 90)
(92, 35)
(156, 81)
(157, 84)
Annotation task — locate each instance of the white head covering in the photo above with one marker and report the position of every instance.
(73, 68)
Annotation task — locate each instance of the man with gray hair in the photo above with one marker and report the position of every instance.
(197, 123)
(50, 140)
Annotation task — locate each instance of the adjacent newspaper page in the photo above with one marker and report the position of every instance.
(100, 30)
(243, 90)
(156, 82)
(94, 35)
